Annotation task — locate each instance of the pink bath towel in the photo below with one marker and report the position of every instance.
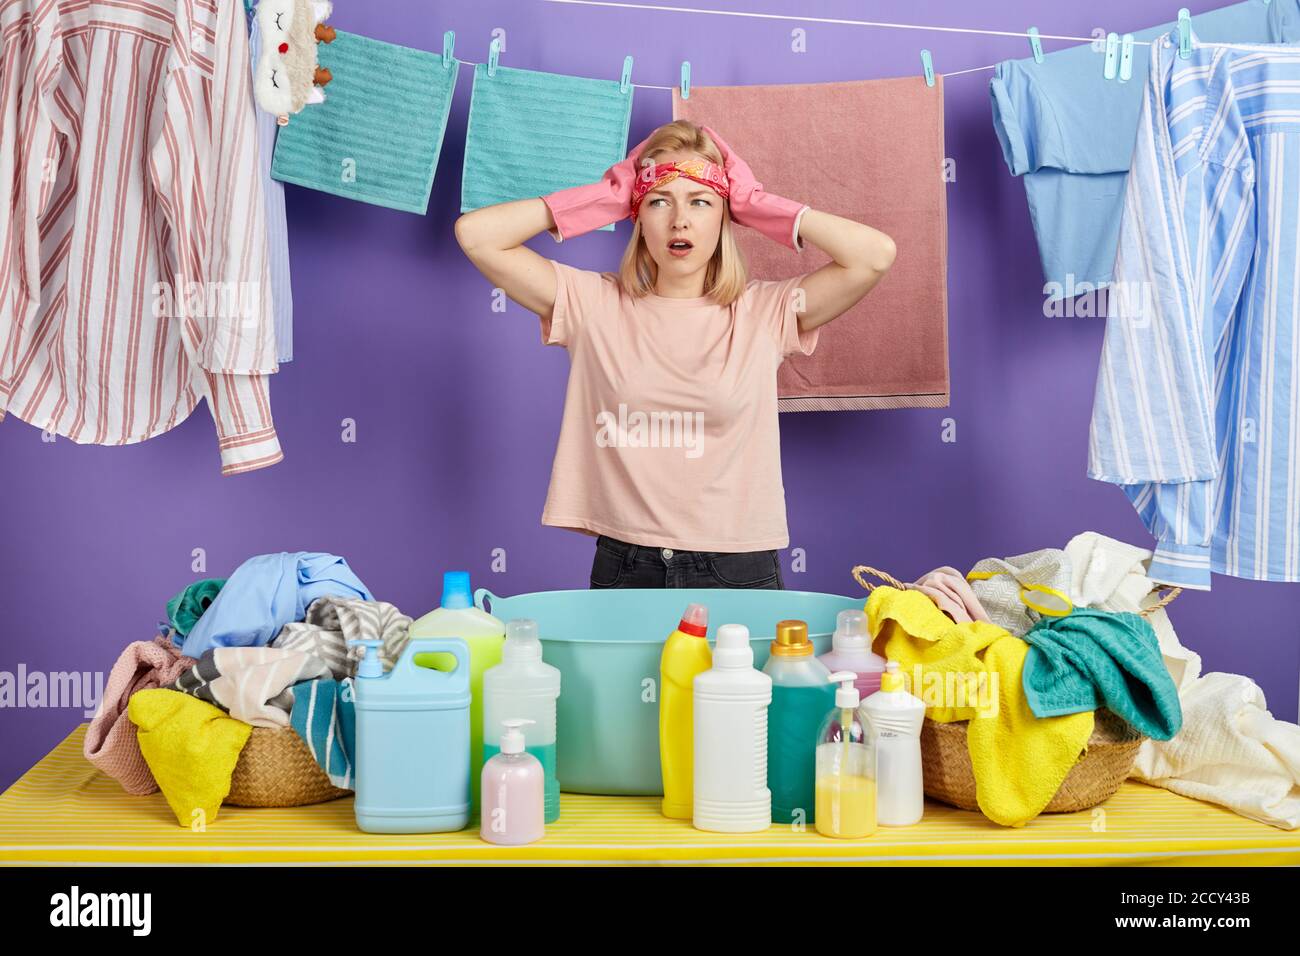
(869, 150)
(952, 594)
(110, 742)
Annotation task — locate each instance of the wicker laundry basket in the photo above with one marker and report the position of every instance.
(1105, 764)
(275, 769)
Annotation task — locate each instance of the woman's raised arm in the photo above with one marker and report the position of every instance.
(861, 257)
(493, 238)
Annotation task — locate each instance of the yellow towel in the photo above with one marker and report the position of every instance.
(191, 747)
(972, 672)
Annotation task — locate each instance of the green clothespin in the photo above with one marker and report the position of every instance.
(448, 49)
(1184, 33)
(927, 67)
(625, 83)
(686, 79)
(1110, 68)
(1035, 45)
(1126, 58)
(494, 55)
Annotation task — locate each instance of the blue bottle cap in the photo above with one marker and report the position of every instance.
(455, 590)
(370, 665)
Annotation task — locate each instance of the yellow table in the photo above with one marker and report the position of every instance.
(64, 811)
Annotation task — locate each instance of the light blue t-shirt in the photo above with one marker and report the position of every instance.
(1070, 132)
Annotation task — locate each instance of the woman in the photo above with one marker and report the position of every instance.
(669, 449)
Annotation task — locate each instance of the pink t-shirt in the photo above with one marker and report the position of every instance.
(670, 435)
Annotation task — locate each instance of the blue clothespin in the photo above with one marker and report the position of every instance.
(927, 67)
(1184, 33)
(448, 49)
(1035, 45)
(686, 79)
(494, 55)
(625, 83)
(1111, 67)
(1126, 58)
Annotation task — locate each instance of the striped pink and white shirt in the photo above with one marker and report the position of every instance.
(133, 259)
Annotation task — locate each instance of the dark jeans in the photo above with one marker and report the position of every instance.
(621, 565)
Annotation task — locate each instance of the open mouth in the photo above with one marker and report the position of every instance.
(680, 247)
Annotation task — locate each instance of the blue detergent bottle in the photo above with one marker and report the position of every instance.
(412, 749)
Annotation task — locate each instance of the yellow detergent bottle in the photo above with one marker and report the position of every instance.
(846, 768)
(484, 634)
(685, 654)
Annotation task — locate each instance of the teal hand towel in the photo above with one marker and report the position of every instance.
(1091, 658)
(530, 134)
(188, 606)
(377, 136)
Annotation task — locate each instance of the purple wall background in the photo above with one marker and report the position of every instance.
(457, 407)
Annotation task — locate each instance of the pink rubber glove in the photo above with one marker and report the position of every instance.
(774, 216)
(583, 209)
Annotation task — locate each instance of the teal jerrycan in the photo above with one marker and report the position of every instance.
(413, 761)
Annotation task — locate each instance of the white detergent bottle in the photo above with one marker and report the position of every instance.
(895, 717)
(730, 734)
(523, 685)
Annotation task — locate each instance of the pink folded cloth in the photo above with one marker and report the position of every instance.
(871, 151)
(949, 590)
(111, 737)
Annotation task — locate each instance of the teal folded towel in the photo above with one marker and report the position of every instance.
(185, 609)
(530, 134)
(325, 716)
(377, 136)
(1091, 658)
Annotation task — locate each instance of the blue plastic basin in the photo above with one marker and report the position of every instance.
(606, 644)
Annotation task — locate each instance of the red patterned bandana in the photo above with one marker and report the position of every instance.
(700, 170)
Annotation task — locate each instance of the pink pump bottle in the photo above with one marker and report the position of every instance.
(513, 792)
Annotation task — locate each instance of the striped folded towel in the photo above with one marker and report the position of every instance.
(531, 133)
(325, 716)
(377, 136)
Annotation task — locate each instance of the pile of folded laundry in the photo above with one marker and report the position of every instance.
(1070, 631)
(268, 647)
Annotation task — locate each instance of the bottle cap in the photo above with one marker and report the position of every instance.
(512, 741)
(455, 590)
(892, 678)
(371, 665)
(851, 631)
(846, 695)
(522, 642)
(792, 640)
(695, 620)
(732, 648)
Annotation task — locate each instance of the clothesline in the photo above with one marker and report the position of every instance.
(842, 21)
(837, 21)
(807, 19)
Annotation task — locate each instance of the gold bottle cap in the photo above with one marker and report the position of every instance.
(792, 640)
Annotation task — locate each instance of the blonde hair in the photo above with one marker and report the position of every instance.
(725, 276)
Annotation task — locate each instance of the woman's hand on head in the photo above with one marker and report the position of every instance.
(622, 175)
(774, 216)
(740, 178)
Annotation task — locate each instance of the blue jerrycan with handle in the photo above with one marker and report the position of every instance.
(412, 760)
